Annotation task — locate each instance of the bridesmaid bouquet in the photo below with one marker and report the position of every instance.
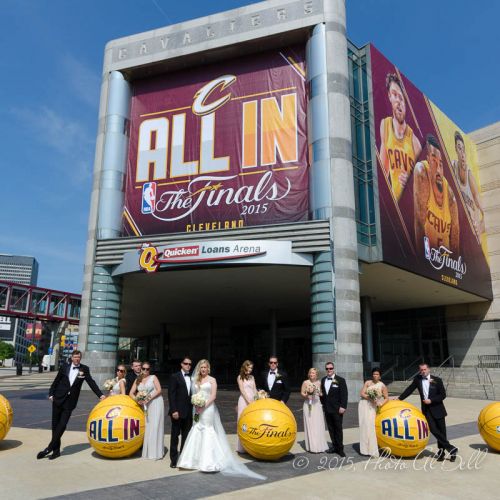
(374, 394)
(198, 400)
(261, 395)
(108, 384)
(311, 391)
(143, 396)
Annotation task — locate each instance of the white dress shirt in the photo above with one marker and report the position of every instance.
(328, 383)
(271, 378)
(73, 373)
(187, 381)
(425, 386)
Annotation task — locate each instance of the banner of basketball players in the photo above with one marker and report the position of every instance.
(432, 218)
(220, 146)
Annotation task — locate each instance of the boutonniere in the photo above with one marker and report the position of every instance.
(335, 381)
(432, 381)
(278, 377)
(81, 374)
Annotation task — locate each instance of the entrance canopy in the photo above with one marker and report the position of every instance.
(244, 294)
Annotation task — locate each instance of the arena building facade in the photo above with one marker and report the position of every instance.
(252, 195)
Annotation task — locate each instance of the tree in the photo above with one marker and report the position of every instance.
(6, 351)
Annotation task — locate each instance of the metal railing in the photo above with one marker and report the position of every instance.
(391, 370)
(489, 361)
(406, 368)
(451, 375)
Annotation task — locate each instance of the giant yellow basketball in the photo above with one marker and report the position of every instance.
(267, 429)
(115, 427)
(488, 423)
(401, 429)
(6, 415)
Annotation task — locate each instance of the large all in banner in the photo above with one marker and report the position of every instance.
(432, 218)
(220, 146)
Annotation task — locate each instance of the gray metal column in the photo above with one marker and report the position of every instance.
(101, 293)
(348, 357)
(322, 274)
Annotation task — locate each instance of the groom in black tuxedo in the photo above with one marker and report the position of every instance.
(334, 401)
(181, 409)
(275, 382)
(432, 393)
(64, 393)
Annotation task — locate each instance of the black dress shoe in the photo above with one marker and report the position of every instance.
(340, 453)
(453, 454)
(55, 454)
(330, 450)
(43, 453)
(173, 465)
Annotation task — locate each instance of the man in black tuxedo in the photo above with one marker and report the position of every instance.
(132, 375)
(181, 409)
(432, 393)
(64, 393)
(334, 401)
(275, 382)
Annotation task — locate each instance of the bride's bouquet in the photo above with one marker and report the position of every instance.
(143, 397)
(109, 384)
(311, 391)
(261, 394)
(198, 400)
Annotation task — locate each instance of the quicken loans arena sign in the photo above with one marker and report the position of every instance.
(219, 147)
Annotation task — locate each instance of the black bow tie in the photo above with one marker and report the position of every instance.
(186, 374)
(329, 378)
(76, 367)
(272, 373)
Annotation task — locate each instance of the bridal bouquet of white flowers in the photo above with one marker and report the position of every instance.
(109, 384)
(198, 400)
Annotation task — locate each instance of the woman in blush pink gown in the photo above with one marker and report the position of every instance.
(248, 390)
(314, 422)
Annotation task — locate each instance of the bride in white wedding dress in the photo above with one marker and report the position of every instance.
(206, 448)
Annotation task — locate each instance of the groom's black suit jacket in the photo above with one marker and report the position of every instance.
(178, 397)
(336, 397)
(66, 395)
(437, 394)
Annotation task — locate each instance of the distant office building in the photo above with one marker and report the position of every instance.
(19, 269)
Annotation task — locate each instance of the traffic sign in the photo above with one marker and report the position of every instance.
(31, 349)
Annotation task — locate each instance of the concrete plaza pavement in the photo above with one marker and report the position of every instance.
(81, 473)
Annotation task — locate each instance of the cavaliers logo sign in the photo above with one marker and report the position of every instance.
(115, 427)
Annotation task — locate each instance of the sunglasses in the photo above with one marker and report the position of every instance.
(122, 371)
(146, 369)
(273, 362)
(330, 368)
(183, 363)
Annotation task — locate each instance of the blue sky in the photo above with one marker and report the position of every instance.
(50, 68)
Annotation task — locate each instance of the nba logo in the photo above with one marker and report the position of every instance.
(148, 197)
(427, 248)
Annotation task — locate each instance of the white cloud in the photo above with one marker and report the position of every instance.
(84, 82)
(65, 136)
